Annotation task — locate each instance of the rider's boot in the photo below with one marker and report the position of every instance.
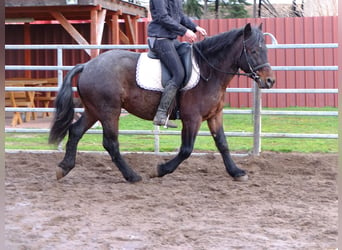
(161, 117)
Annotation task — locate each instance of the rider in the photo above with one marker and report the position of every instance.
(168, 22)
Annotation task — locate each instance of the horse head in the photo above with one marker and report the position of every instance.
(253, 59)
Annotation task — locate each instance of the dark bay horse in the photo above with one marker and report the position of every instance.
(107, 84)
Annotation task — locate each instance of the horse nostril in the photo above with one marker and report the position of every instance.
(270, 81)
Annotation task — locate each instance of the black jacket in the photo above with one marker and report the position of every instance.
(168, 19)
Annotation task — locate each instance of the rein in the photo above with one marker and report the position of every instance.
(252, 75)
(214, 67)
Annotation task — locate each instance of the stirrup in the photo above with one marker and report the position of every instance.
(169, 124)
(166, 123)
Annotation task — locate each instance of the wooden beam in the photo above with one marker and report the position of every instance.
(130, 29)
(93, 31)
(123, 37)
(81, 9)
(135, 28)
(70, 29)
(100, 24)
(97, 16)
(115, 29)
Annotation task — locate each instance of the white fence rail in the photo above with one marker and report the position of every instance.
(256, 110)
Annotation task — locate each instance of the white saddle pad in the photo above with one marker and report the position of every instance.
(148, 74)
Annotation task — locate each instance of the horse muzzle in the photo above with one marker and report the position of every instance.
(265, 77)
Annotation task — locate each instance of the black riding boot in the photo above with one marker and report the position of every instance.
(168, 96)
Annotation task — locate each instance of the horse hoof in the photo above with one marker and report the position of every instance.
(134, 179)
(59, 173)
(241, 178)
(154, 173)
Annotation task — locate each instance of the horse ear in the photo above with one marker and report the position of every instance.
(247, 31)
(260, 26)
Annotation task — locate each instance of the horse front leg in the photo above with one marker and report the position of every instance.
(111, 144)
(217, 132)
(189, 133)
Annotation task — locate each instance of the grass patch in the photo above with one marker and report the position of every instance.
(232, 123)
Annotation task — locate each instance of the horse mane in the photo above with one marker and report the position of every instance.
(218, 48)
(212, 46)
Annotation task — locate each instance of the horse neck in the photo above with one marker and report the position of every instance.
(223, 63)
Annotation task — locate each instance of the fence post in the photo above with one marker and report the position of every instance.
(60, 63)
(156, 139)
(256, 119)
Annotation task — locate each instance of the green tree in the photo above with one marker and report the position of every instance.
(236, 8)
(230, 8)
(193, 8)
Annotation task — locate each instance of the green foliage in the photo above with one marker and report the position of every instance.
(234, 9)
(220, 8)
(229, 8)
(192, 8)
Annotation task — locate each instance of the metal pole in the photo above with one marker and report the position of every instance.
(257, 119)
(60, 81)
(156, 139)
(60, 63)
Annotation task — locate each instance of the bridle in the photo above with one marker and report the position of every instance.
(252, 69)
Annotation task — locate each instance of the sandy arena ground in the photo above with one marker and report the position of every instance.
(289, 202)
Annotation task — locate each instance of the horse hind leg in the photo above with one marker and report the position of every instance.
(111, 144)
(76, 132)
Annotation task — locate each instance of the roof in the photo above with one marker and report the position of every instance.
(75, 10)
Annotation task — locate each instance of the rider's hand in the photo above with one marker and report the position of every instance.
(190, 35)
(201, 30)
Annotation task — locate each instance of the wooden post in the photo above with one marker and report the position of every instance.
(130, 29)
(93, 32)
(114, 22)
(100, 25)
(98, 17)
(135, 28)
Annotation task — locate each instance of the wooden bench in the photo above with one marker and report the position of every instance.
(46, 97)
(27, 99)
(19, 99)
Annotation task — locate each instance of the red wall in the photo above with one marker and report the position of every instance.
(286, 30)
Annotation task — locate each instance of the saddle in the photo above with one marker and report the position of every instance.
(185, 53)
(151, 74)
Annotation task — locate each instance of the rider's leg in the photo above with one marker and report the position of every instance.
(168, 56)
(161, 117)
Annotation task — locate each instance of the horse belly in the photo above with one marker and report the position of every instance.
(108, 82)
(141, 103)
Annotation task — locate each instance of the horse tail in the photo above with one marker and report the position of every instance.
(64, 106)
